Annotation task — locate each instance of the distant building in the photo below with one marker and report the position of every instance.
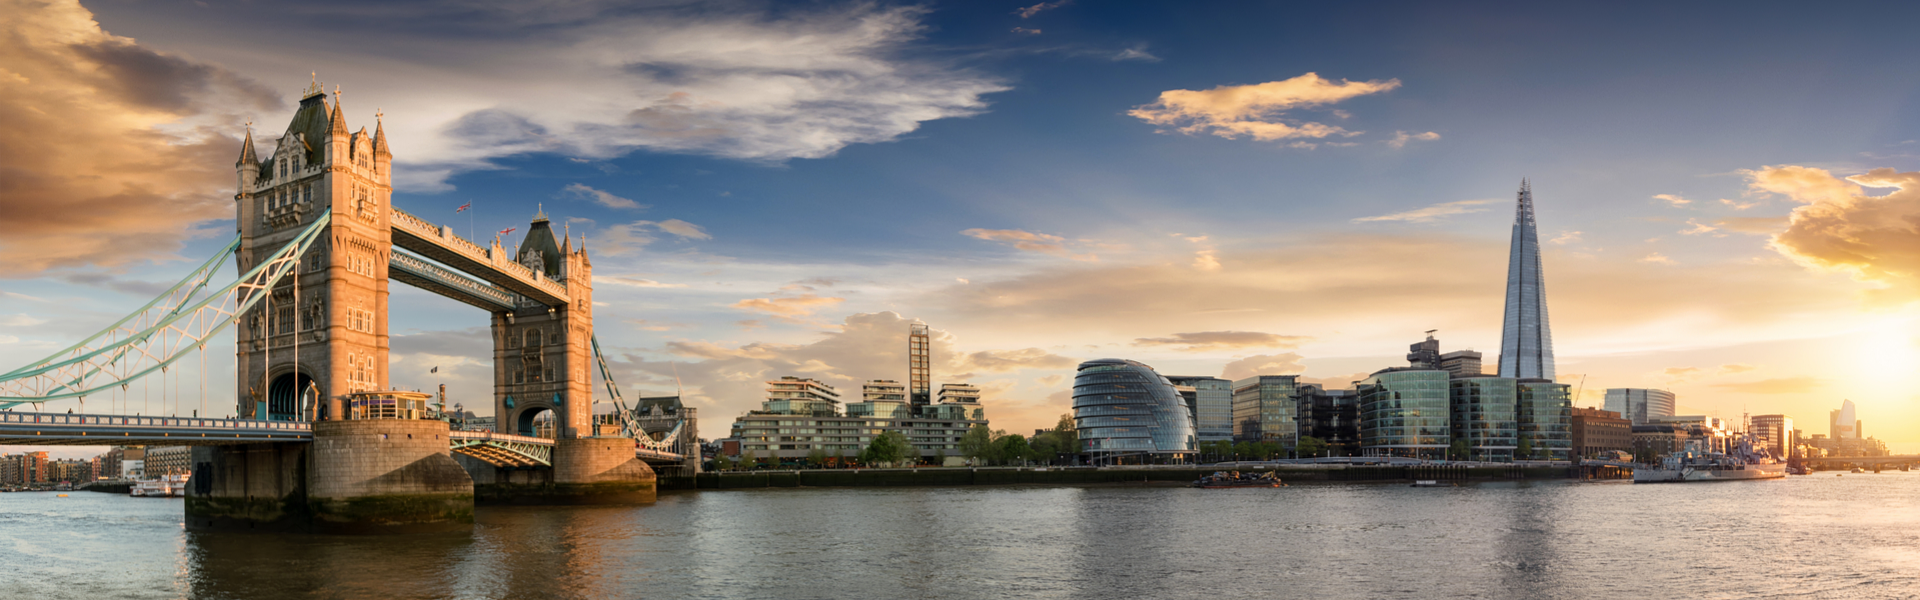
(1704, 433)
(883, 398)
(1526, 340)
(1263, 407)
(919, 365)
(1461, 363)
(1212, 408)
(1596, 432)
(168, 460)
(1483, 415)
(1655, 440)
(1404, 412)
(958, 402)
(70, 470)
(1332, 416)
(1843, 424)
(26, 468)
(801, 417)
(1127, 412)
(1775, 432)
(1640, 405)
(797, 396)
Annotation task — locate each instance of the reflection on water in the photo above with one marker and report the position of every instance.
(1855, 537)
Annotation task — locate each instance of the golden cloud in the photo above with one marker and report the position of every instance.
(1204, 341)
(1263, 364)
(1841, 228)
(1012, 360)
(1783, 385)
(1028, 241)
(1259, 110)
(110, 153)
(788, 309)
(1434, 213)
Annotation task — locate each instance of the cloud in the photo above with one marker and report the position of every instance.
(1673, 199)
(1263, 364)
(110, 153)
(1027, 12)
(632, 237)
(1029, 241)
(1431, 213)
(1735, 369)
(790, 309)
(1566, 237)
(682, 229)
(1135, 53)
(20, 320)
(1739, 205)
(582, 191)
(634, 282)
(1753, 225)
(1026, 31)
(1656, 258)
(1207, 341)
(1259, 110)
(1683, 373)
(1400, 138)
(1840, 228)
(1700, 228)
(1783, 385)
(994, 361)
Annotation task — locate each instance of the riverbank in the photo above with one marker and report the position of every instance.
(1168, 476)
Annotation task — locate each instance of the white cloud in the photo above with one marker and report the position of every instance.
(1699, 228)
(1259, 111)
(20, 320)
(1136, 53)
(1657, 258)
(683, 229)
(1739, 205)
(634, 282)
(1027, 12)
(1400, 138)
(1567, 237)
(1672, 199)
(1431, 213)
(608, 200)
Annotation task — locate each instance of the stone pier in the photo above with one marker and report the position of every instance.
(597, 470)
(372, 476)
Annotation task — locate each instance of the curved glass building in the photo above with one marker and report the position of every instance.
(1125, 409)
(1405, 412)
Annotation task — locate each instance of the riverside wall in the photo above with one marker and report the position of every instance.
(953, 476)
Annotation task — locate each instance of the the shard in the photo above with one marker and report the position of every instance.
(1526, 343)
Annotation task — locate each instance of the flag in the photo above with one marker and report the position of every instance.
(463, 208)
(506, 231)
(434, 370)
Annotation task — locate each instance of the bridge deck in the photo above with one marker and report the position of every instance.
(492, 265)
(26, 428)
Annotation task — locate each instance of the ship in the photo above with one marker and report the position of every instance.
(1237, 479)
(1744, 461)
(161, 487)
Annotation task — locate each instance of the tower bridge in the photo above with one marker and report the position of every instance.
(320, 441)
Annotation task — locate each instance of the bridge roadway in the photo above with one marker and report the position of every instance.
(56, 429)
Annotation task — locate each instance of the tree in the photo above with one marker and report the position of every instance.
(1525, 451)
(888, 448)
(749, 461)
(817, 458)
(940, 457)
(977, 442)
(1011, 448)
(1310, 446)
(1458, 451)
(1067, 434)
(722, 463)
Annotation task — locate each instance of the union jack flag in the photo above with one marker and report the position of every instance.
(507, 230)
(463, 208)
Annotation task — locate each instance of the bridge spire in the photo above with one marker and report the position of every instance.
(247, 157)
(380, 135)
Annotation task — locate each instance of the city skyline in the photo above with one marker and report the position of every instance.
(1173, 186)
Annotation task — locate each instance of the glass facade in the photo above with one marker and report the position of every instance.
(1526, 341)
(1545, 414)
(1484, 416)
(1405, 412)
(1263, 409)
(1123, 407)
(1212, 407)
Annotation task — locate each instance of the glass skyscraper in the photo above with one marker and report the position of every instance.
(1263, 410)
(1213, 407)
(1124, 408)
(1526, 343)
(1484, 416)
(1405, 412)
(1544, 414)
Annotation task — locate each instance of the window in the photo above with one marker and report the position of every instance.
(306, 191)
(533, 337)
(519, 376)
(549, 374)
(283, 169)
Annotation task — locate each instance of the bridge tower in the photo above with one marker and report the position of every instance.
(322, 333)
(541, 354)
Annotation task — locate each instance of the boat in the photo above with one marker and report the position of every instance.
(1236, 479)
(1857, 470)
(1432, 483)
(164, 486)
(1745, 461)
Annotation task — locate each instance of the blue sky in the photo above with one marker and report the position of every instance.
(805, 169)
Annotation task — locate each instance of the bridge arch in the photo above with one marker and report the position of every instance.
(535, 421)
(288, 394)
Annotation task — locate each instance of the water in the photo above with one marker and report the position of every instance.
(1822, 536)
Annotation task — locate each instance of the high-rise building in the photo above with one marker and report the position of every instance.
(1424, 354)
(1404, 412)
(1127, 411)
(1461, 363)
(919, 366)
(1332, 416)
(1263, 409)
(1640, 405)
(1482, 416)
(1842, 424)
(1544, 412)
(1526, 343)
(1212, 408)
(1775, 433)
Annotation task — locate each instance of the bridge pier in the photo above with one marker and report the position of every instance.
(249, 487)
(600, 470)
(387, 476)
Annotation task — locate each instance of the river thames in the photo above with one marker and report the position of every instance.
(1820, 536)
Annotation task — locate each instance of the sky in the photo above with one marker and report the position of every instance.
(1226, 189)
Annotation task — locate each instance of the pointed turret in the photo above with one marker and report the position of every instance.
(247, 157)
(380, 137)
(337, 121)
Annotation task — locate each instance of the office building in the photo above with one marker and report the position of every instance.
(168, 460)
(1599, 432)
(1526, 340)
(1461, 363)
(1545, 418)
(1263, 407)
(1482, 417)
(1404, 411)
(1127, 412)
(1843, 424)
(1332, 416)
(1640, 405)
(1775, 432)
(796, 396)
(801, 417)
(919, 365)
(1212, 406)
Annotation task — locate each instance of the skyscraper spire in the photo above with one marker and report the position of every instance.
(1526, 341)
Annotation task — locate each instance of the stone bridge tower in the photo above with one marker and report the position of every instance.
(542, 357)
(322, 333)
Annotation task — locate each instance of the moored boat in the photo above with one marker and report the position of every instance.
(1236, 479)
(1744, 462)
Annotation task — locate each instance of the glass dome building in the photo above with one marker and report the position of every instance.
(1126, 411)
